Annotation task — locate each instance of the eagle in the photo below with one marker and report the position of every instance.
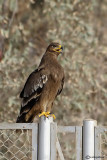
(42, 86)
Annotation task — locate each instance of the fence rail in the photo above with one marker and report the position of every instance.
(41, 142)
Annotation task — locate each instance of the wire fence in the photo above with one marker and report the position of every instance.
(72, 149)
(101, 142)
(104, 145)
(15, 144)
(20, 142)
(68, 147)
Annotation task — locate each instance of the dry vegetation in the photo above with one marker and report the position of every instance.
(27, 27)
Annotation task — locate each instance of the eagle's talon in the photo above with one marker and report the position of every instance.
(53, 116)
(46, 114)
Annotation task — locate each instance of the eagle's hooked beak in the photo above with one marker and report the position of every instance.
(59, 49)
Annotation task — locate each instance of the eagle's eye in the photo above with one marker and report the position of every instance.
(53, 46)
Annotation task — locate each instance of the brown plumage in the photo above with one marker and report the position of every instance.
(42, 86)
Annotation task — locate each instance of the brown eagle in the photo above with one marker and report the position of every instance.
(42, 86)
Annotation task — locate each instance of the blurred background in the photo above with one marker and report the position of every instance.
(27, 28)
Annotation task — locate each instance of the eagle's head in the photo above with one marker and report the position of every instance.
(55, 48)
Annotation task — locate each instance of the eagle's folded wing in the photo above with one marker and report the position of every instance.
(32, 89)
(34, 84)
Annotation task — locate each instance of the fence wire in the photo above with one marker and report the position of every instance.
(21, 143)
(15, 144)
(104, 145)
(68, 147)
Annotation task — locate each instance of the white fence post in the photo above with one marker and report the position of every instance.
(89, 139)
(44, 138)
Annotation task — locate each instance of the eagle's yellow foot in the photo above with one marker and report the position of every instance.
(53, 116)
(46, 114)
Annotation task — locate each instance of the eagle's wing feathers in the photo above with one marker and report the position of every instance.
(32, 90)
(34, 84)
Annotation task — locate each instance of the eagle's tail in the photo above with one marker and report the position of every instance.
(21, 119)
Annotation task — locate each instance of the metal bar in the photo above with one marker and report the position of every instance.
(53, 140)
(79, 143)
(88, 139)
(44, 138)
(17, 125)
(61, 156)
(68, 129)
(101, 129)
(34, 141)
